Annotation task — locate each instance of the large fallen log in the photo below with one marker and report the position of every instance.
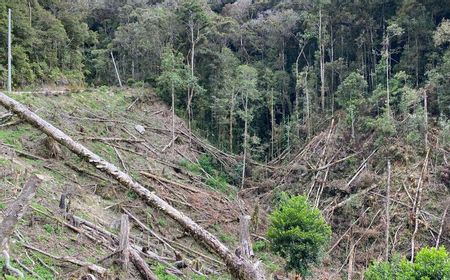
(239, 268)
(12, 215)
(15, 211)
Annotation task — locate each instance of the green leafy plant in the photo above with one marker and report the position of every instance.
(160, 271)
(430, 263)
(299, 234)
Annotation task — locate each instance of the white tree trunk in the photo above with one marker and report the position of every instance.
(322, 64)
(388, 216)
(173, 118)
(244, 161)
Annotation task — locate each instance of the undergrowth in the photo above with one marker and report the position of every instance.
(216, 178)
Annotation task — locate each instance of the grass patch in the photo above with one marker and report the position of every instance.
(161, 273)
(132, 195)
(52, 229)
(13, 136)
(42, 271)
(260, 245)
(217, 179)
(162, 221)
(226, 238)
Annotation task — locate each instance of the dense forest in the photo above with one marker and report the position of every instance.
(325, 122)
(282, 67)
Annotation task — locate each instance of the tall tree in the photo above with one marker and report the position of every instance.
(173, 76)
(195, 19)
(247, 88)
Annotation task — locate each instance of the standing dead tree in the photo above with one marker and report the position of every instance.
(238, 268)
(13, 214)
(244, 236)
(388, 217)
(416, 206)
(442, 224)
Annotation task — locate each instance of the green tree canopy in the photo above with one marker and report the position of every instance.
(299, 234)
(429, 264)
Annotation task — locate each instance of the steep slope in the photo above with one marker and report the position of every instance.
(347, 179)
(108, 123)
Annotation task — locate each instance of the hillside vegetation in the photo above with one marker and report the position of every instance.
(335, 109)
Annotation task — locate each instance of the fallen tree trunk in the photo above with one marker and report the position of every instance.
(12, 215)
(16, 210)
(239, 268)
(141, 265)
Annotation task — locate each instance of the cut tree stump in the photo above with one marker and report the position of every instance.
(124, 242)
(246, 243)
(238, 268)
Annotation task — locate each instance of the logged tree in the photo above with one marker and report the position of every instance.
(193, 15)
(299, 234)
(173, 76)
(249, 94)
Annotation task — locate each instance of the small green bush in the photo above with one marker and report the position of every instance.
(299, 234)
(429, 264)
(160, 271)
(260, 246)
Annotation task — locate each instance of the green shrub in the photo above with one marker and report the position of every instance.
(299, 234)
(131, 82)
(160, 271)
(260, 246)
(430, 264)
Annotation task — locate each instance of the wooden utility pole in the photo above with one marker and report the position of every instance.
(9, 52)
(117, 71)
(388, 95)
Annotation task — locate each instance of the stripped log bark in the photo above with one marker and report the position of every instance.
(16, 210)
(238, 268)
(246, 244)
(124, 242)
(142, 266)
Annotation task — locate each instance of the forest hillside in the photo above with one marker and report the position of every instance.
(221, 139)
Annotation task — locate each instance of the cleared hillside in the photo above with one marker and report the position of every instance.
(344, 178)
